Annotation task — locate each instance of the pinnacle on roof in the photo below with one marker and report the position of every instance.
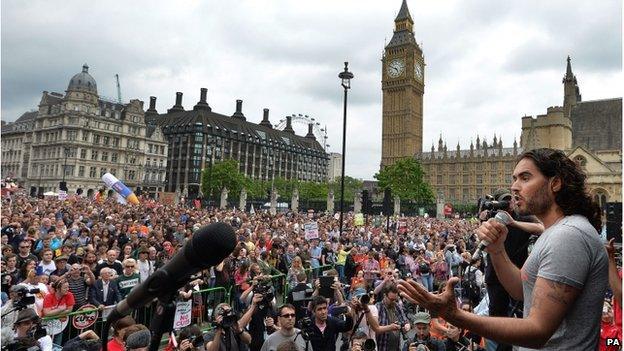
(403, 13)
(569, 68)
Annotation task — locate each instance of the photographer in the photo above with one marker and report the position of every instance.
(361, 342)
(516, 246)
(287, 332)
(11, 308)
(422, 338)
(229, 334)
(190, 338)
(325, 329)
(392, 321)
(300, 295)
(29, 333)
(262, 319)
(363, 304)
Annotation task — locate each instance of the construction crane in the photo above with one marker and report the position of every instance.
(118, 89)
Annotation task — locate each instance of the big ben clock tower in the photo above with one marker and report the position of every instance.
(403, 86)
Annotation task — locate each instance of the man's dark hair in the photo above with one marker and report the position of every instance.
(573, 197)
(317, 301)
(287, 305)
(390, 288)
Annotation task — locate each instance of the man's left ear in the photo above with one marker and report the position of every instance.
(555, 184)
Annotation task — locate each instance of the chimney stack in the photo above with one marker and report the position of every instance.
(202, 104)
(310, 134)
(289, 128)
(152, 107)
(178, 105)
(265, 119)
(239, 111)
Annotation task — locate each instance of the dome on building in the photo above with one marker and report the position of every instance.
(83, 81)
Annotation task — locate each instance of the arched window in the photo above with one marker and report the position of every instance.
(600, 197)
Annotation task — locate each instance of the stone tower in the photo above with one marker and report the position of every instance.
(403, 76)
(571, 94)
(554, 129)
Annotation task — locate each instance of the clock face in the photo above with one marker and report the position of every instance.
(418, 71)
(396, 68)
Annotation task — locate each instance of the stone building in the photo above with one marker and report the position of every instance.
(334, 170)
(79, 136)
(199, 137)
(589, 132)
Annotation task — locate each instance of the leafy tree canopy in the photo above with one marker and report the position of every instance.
(406, 179)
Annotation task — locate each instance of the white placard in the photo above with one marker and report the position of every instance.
(311, 230)
(182, 314)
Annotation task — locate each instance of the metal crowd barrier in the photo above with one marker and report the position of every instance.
(70, 323)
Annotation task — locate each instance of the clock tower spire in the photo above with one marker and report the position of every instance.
(403, 86)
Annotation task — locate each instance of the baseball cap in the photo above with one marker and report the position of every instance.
(502, 194)
(27, 314)
(61, 258)
(422, 318)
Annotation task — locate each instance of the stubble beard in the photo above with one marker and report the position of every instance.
(539, 203)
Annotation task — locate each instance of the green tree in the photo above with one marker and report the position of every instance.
(405, 179)
(351, 187)
(223, 174)
(312, 191)
(256, 189)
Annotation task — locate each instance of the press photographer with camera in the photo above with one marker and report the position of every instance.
(392, 323)
(520, 228)
(229, 333)
(28, 333)
(287, 319)
(422, 338)
(262, 319)
(20, 297)
(323, 329)
(361, 342)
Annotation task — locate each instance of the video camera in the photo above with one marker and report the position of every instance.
(306, 327)
(263, 287)
(22, 300)
(492, 206)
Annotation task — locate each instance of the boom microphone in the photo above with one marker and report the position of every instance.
(501, 217)
(208, 247)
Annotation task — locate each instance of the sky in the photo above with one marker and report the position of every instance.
(488, 63)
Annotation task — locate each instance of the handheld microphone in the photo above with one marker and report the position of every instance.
(208, 247)
(501, 217)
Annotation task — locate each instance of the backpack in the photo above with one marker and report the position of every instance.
(470, 289)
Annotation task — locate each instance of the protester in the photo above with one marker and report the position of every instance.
(564, 280)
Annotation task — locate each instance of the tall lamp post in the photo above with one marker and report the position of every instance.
(345, 77)
(209, 151)
(63, 185)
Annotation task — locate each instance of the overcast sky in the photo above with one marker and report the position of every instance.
(488, 62)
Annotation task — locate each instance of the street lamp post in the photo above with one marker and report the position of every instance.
(63, 185)
(345, 77)
(209, 175)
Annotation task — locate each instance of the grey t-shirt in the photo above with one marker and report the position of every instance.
(570, 252)
(275, 339)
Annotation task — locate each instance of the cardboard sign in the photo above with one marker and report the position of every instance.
(359, 219)
(311, 230)
(182, 314)
(84, 321)
(56, 326)
(166, 198)
(62, 195)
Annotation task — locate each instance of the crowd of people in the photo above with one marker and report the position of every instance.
(344, 290)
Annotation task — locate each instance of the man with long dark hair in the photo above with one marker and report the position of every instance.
(562, 283)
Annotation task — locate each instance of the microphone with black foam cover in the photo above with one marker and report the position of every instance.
(501, 217)
(207, 247)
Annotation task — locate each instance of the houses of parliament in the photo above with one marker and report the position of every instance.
(589, 132)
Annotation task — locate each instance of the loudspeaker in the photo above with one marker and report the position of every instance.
(365, 202)
(138, 191)
(614, 221)
(33, 191)
(63, 186)
(387, 202)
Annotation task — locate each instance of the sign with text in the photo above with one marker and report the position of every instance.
(85, 320)
(311, 230)
(182, 314)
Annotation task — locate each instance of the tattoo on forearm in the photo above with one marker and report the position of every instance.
(559, 292)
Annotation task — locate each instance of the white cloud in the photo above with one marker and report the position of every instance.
(488, 62)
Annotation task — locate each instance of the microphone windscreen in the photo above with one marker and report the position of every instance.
(503, 217)
(211, 244)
